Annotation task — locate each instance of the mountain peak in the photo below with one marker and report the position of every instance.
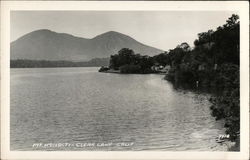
(109, 33)
(43, 31)
(112, 32)
(113, 35)
(45, 44)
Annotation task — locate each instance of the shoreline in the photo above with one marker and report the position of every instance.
(118, 72)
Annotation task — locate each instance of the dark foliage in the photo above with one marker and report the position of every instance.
(130, 68)
(103, 69)
(163, 59)
(227, 105)
(214, 62)
(129, 62)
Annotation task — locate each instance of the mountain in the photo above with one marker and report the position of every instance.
(48, 45)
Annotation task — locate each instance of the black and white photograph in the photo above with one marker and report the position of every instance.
(125, 80)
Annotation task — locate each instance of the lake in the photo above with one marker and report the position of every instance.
(82, 109)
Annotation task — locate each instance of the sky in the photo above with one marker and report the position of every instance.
(160, 29)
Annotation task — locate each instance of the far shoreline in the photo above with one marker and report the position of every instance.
(118, 72)
(55, 67)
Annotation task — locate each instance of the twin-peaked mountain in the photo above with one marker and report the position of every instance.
(49, 45)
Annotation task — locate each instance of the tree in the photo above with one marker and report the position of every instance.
(162, 59)
(126, 56)
(233, 20)
(184, 46)
(113, 63)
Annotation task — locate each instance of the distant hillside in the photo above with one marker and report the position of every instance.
(49, 45)
(24, 63)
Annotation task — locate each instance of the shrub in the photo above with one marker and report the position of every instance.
(130, 68)
(103, 69)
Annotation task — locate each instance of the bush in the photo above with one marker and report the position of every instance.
(227, 104)
(103, 69)
(130, 68)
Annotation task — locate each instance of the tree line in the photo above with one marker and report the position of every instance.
(25, 63)
(128, 62)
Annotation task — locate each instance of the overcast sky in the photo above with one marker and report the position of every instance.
(160, 29)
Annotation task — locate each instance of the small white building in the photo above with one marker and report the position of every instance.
(166, 69)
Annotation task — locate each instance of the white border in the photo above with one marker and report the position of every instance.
(242, 7)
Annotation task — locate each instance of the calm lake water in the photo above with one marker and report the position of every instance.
(82, 109)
